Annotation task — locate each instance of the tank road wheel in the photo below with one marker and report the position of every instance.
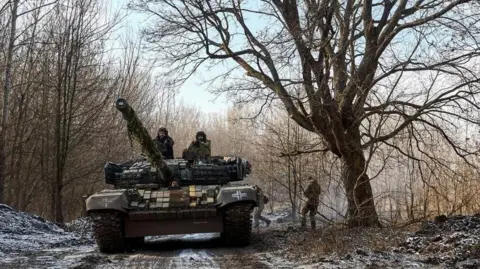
(108, 231)
(237, 222)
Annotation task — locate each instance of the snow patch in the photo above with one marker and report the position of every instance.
(82, 226)
(280, 216)
(20, 231)
(200, 236)
(189, 258)
(453, 240)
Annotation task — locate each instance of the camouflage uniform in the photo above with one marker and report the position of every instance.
(312, 194)
(200, 147)
(257, 215)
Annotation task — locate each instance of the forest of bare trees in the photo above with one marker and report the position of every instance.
(377, 99)
(358, 74)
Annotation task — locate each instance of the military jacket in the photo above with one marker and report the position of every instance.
(313, 191)
(201, 150)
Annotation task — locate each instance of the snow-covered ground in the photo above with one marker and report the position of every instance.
(28, 241)
(20, 231)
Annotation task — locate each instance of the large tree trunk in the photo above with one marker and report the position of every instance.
(361, 207)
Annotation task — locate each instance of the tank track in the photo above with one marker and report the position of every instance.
(134, 243)
(237, 225)
(108, 232)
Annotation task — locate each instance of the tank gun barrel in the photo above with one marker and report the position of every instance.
(140, 134)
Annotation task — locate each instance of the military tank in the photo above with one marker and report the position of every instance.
(156, 196)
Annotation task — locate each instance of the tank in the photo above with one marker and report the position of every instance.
(155, 196)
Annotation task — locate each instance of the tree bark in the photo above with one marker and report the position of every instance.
(6, 92)
(360, 204)
(57, 181)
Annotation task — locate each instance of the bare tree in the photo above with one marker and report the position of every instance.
(7, 88)
(337, 67)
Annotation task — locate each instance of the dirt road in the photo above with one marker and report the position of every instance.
(453, 244)
(28, 241)
(205, 251)
(200, 251)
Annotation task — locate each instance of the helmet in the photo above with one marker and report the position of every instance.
(201, 133)
(163, 129)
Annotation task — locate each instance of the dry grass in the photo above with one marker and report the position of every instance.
(330, 240)
(343, 240)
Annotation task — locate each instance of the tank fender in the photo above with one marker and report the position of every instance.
(231, 195)
(108, 200)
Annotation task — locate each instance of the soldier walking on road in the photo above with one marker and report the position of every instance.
(312, 193)
(257, 215)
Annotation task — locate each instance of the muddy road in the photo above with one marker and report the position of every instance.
(202, 251)
(27, 241)
(198, 251)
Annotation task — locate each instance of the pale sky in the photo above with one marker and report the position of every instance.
(191, 92)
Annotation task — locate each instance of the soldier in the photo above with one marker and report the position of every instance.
(164, 143)
(257, 215)
(201, 146)
(312, 194)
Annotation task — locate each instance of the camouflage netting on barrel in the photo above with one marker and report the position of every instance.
(140, 134)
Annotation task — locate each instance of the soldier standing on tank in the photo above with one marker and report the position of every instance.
(164, 143)
(312, 193)
(257, 215)
(201, 147)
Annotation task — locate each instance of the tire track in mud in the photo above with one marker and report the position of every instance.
(190, 258)
(190, 251)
